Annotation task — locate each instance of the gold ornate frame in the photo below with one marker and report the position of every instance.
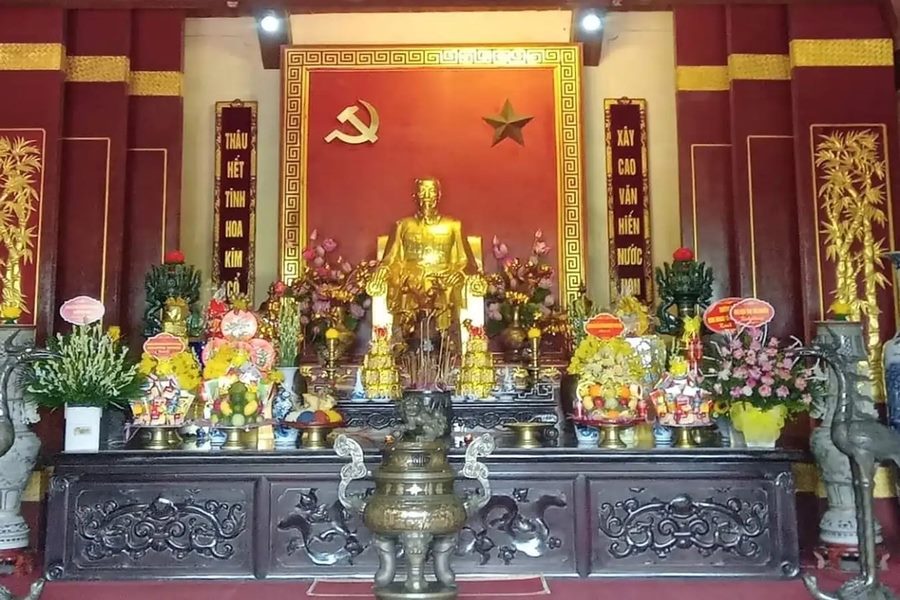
(565, 60)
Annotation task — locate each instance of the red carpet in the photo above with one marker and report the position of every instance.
(483, 588)
(559, 589)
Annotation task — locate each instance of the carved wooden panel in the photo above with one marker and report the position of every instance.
(682, 526)
(526, 526)
(161, 529)
(310, 530)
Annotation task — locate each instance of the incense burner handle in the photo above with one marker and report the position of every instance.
(472, 469)
(345, 447)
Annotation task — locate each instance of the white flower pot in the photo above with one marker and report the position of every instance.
(83, 428)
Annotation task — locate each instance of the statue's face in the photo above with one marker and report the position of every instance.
(427, 194)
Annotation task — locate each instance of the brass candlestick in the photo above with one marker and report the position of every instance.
(528, 435)
(331, 358)
(534, 365)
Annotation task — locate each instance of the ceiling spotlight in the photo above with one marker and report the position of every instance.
(270, 23)
(591, 22)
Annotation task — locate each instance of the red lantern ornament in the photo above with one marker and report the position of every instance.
(683, 255)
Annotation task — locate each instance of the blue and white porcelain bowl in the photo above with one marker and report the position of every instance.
(586, 435)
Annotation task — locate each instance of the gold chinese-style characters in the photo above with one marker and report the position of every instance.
(20, 168)
(851, 198)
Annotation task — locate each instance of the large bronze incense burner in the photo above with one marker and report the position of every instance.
(414, 504)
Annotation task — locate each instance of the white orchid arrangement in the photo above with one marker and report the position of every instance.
(88, 367)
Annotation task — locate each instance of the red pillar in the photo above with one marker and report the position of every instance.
(154, 153)
(32, 55)
(704, 139)
(93, 173)
(765, 220)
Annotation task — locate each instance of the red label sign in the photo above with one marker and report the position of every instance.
(82, 310)
(235, 208)
(752, 312)
(604, 326)
(628, 199)
(164, 345)
(718, 316)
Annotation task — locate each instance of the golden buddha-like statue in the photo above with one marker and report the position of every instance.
(427, 258)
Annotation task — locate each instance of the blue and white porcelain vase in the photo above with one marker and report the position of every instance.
(662, 436)
(891, 361)
(285, 400)
(724, 425)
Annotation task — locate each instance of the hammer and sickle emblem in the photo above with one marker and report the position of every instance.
(364, 133)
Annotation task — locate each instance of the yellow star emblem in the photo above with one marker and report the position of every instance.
(508, 125)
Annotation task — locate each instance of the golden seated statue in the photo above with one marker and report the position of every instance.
(428, 260)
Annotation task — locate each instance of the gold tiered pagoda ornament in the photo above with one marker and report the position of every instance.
(380, 376)
(476, 375)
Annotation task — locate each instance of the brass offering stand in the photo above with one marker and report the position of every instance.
(610, 436)
(233, 439)
(162, 438)
(528, 435)
(314, 437)
(685, 437)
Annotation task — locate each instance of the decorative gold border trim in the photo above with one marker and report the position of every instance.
(155, 83)
(251, 239)
(298, 62)
(108, 142)
(759, 67)
(815, 193)
(807, 481)
(32, 57)
(694, 147)
(97, 69)
(165, 195)
(705, 78)
(750, 199)
(610, 200)
(875, 52)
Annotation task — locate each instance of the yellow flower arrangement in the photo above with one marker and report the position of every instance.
(224, 359)
(114, 332)
(534, 333)
(633, 313)
(183, 366)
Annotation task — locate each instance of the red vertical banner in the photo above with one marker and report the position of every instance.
(235, 197)
(628, 199)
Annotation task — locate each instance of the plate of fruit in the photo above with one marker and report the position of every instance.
(239, 407)
(316, 411)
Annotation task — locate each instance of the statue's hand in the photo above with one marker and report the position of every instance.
(477, 284)
(378, 283)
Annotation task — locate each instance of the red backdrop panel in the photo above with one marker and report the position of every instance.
(36, 105)
(356, 192)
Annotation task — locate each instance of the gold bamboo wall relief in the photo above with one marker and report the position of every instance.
(853, 220)
(21, 165)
